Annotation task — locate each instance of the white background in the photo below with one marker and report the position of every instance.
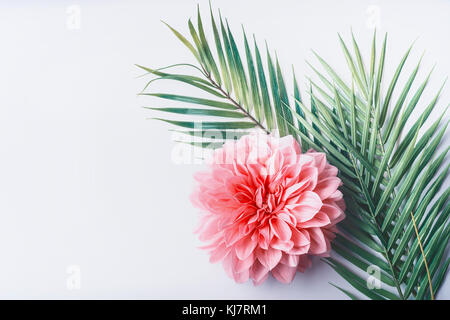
(87, 180)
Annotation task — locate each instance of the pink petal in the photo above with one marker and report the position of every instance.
(288, 142)
(329, 234)
(228, 265)
(284, 273)
(330, 171)
(320, 160)
(336, 196)
(308, 205)
(273, 164)
(299, 250)
(333, 212)
(319, 220)
(290, 260)
(219, 253)
(269, 258)
(300, 237)
(293, 171)
(242, 265)
(311, 175)
(304, 262)
(266, 233)
(258, 282)
(326, 187)
(280, 228)
(244, 247)
(258, 272)
(282, 245)
(295, 189)
(208, 229)
(262, 242)
(318, 242)
(241, 277)
(258, 198)
(287, 217)
(231, 236)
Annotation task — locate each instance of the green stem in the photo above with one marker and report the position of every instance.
(382, 240)
(236, 104)
(241, 108)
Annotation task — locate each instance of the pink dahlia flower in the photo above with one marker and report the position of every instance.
(267, 207)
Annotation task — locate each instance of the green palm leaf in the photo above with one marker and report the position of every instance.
(392, 222)
(238, 83)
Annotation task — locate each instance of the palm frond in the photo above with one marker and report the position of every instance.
(239, 83)
(397, 216)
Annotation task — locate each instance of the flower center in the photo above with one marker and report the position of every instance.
(266, 208)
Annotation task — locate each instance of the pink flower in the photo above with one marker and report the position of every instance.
(267, 207)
